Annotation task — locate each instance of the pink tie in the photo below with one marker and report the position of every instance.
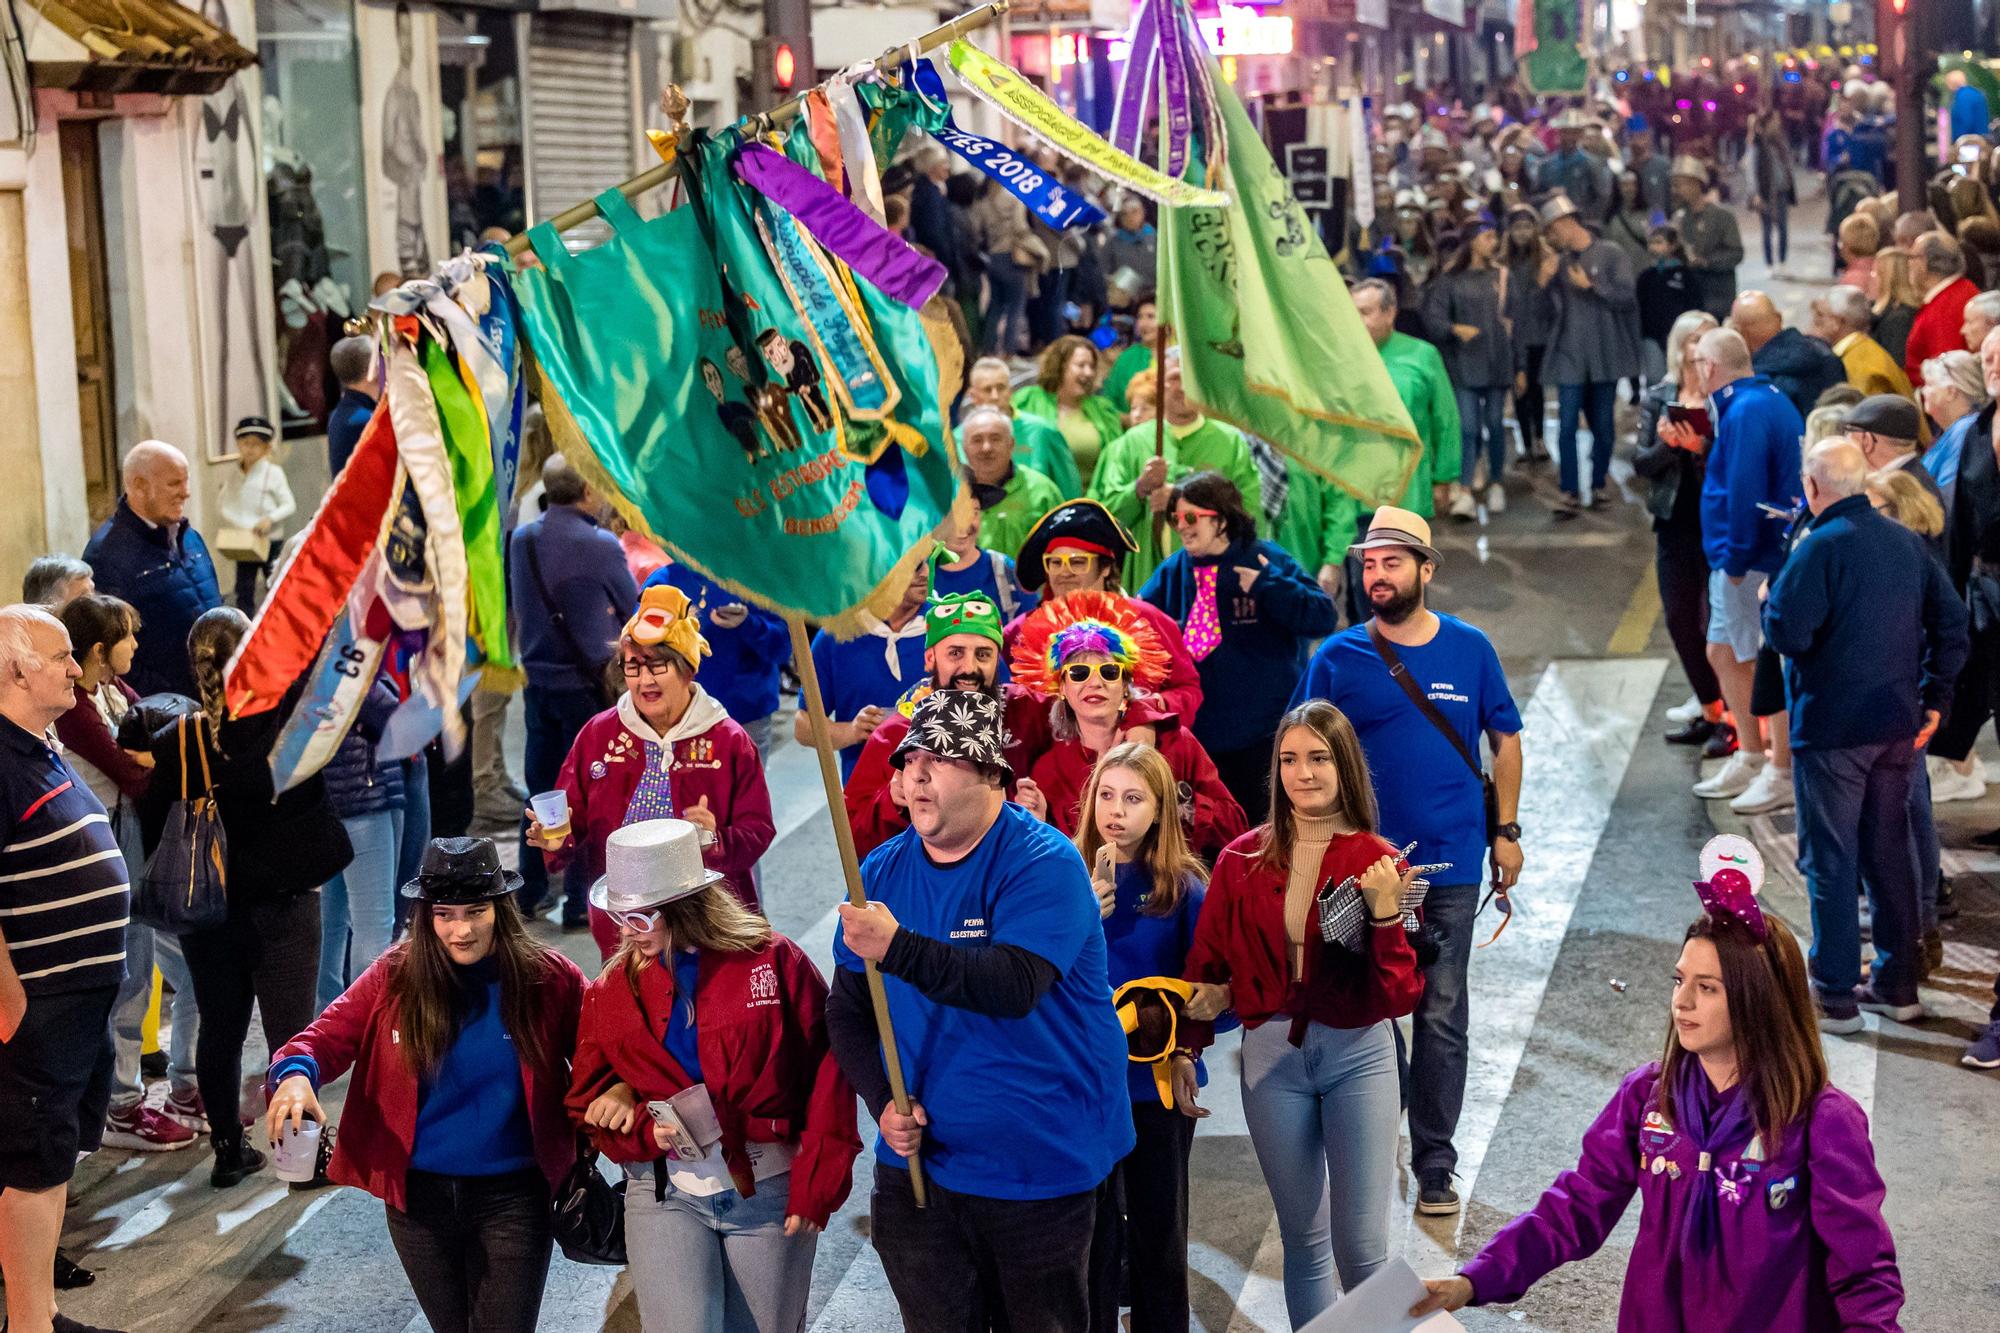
(1204, 625)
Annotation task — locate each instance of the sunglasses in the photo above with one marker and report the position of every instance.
(1108, 672)
(1069, 561)
(639, 921)
(1188, 515)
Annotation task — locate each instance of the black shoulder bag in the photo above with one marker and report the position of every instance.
(1401, 675)
(598, 670)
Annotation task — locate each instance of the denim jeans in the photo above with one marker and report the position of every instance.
(759, 731)
(1438, 1031)
(1597, 401)
(1482, 411)
(475, 1248)
(719, 1263)
(1007, 306)
(969, 1262)
(145, 947)
(1854, 830)
(357, 907)
(1324, 1114)
(1924, 846)
(554, 717)
(416, 831)
(1778, 219)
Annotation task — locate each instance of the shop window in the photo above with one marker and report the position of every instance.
(480, 78)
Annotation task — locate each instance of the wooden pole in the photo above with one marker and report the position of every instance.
(1159, 413)
(850, 865)
(782, 114)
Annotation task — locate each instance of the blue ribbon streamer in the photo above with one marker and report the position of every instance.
(1058, 206)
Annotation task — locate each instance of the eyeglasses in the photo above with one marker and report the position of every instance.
(639, 921)
(1188, 515)
(640, 666)
(1108, 672)
(1078, 562)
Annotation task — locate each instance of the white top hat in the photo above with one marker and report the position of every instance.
(650, 863)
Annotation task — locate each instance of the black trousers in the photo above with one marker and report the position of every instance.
(1246, 771)
(967, 1264)
(267, 955)
(1531, 405)
(1145, 1237)
(1682, 571)
(1971, 700)
(475, 1248)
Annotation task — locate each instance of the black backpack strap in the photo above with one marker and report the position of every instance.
(1401, 675)
(557, 619)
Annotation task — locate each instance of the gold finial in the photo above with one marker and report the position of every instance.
(674, 106)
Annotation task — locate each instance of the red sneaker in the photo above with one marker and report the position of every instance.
(185, 1108)
(142, 1129)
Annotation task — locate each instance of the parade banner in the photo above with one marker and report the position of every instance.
(1555, 62)
(859, 241)
(1270, 340)
(1054, 203)
(1024, 104)
(462, 424)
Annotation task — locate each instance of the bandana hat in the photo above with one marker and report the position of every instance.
(958, 724)
(1086, 622)
(1732, 873)
(962, 613)
(665, 619)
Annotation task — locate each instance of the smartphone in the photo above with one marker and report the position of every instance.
(681, 1145)
(1696, 418)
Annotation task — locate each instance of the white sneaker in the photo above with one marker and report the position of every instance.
(1685, 713)
(1496, 499)
(1733, 778)
(1769, 791)
(1463, 506)
(1948, 784)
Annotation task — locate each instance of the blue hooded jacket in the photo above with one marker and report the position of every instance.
(1755, 458)
(741, 670)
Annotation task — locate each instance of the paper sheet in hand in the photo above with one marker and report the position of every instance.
(1381, 1305)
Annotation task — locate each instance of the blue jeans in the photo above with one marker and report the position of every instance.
(1438, 1032)
(144, 948)
(1923, 836)
(717, 1263)
(359, 902)
(1482, 410)
(554, 717)
(1854, 830)
(1598, 401)
(1777, 219)
(416, 828)
(1318, 1113)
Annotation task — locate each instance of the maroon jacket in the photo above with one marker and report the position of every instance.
(378, 1125)
(82, 731)
(1212, 815)
(760, 1026)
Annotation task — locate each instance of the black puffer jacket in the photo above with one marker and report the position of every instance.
(355, 784)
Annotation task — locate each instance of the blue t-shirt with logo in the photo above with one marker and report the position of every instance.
(1423, 790)
(1020, 1108)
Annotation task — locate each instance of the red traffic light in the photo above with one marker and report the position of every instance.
(1900, 6)
(784, 66)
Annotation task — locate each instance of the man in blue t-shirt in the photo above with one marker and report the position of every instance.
(983, 922)
(861, 678)
(1427, 791)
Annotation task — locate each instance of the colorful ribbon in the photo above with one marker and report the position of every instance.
(857, 240)
(1055, 204)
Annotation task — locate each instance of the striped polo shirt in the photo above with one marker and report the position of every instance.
(64, 895)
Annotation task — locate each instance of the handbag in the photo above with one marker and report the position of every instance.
(243, 545)
(1399, 673)
(185, 886)
(597, 671)
(587, 1213)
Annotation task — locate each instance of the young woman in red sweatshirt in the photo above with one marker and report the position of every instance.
(1319, 1063)
(730, 1182)
(459, 1039)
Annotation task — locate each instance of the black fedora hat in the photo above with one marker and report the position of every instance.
(457, 871)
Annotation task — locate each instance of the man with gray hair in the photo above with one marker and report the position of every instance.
(1012, 496)
(64, 904)
(1873, 637)
(149, 554)
(1937, 268)
(54, 581)
(1982, 314)
(1842, 318)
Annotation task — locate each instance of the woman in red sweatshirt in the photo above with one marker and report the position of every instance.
(1319, 1062)
(703, 1067)
(459, 1039)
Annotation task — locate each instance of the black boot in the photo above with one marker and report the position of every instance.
(234, 1159)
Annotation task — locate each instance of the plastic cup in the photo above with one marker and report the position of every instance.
(296, 1153)
(551, 810)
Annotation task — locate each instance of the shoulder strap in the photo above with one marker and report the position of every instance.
(1401, 675)
(1002, 580)
(557, 619)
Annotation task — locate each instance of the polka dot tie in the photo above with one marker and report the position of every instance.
(653, 798)
(1204, 623)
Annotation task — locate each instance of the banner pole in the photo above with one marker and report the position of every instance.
(970, 21)
(850, 865)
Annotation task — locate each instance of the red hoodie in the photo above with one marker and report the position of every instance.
(1213, 816)
(760, 1028)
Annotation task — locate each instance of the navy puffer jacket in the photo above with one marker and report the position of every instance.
(169, 579)
(355, 784)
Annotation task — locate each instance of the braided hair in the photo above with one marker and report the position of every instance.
(211, 643)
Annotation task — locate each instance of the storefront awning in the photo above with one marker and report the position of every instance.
(128, 46)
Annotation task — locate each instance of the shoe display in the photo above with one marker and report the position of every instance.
(1435, 1195)
(1902, 1010)
(184, 1105)
(1984, 1050)
(1685, 712)
(1839, 1020)
(1948, 784)
(1733, 778)
(142, 1129)
(1721, 744)
(1496, 499)
(1769, 791)
(1695, 732)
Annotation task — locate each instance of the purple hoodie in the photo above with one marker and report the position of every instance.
(1803, 1245)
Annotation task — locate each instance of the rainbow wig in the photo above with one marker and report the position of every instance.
(1086, 622)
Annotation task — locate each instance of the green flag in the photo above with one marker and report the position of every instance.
(1270, 340)
(471, 453)
(1555, 63)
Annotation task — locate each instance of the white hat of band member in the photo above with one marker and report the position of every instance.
(650, 863)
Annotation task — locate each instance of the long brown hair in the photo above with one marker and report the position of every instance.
(1779, 1062)
(426, 989)
(1165, 851)
(1357, 789)
(710, 921)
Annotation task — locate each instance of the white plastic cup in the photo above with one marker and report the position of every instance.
(296, 1153)
(551, 809)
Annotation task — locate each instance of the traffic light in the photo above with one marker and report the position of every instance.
(775, 66)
